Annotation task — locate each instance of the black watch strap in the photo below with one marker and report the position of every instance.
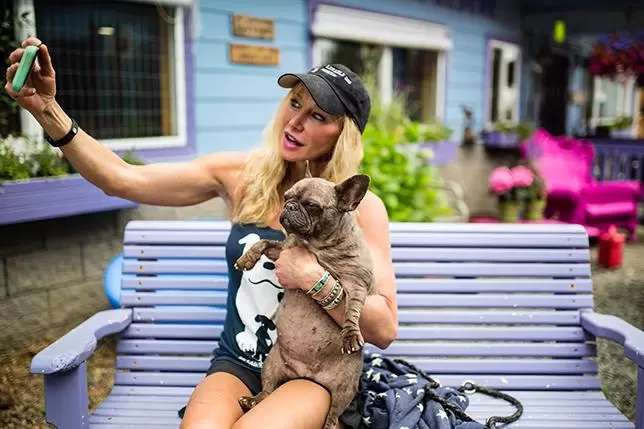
(66, 139)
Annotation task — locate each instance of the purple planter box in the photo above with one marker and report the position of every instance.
(444, 152)
(621, 134)
(501, 140)
(47, 198)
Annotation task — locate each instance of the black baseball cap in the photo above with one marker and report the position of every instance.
(336, 90)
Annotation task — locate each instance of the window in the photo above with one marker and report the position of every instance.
(119, 69)
(404, 54)
(9, 116)
(415, 72)
(503, 96)
(359, 57)
(610, 100)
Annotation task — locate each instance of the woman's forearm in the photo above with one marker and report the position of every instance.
(377, 323)
(93, 160)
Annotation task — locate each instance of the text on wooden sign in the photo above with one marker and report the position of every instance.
(252, 54)
(254, 28)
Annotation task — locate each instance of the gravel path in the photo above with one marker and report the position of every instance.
(619, 292)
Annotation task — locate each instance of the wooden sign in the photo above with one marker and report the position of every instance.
(253, 28)
(253, 54)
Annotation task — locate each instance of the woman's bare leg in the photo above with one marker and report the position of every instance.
(297, 404)
(213, 404)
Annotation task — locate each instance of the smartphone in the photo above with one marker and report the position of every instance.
(24, 68)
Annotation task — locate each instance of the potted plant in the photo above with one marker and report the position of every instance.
(36, 183)
(621, 128)
(518, 190)
(534, 193)
(434, 136)
(506, 134)
(501, 184)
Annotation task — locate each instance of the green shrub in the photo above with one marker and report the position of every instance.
(522, 129)
(399, 171)
(38, 160)
(12, 166)
(622, 123)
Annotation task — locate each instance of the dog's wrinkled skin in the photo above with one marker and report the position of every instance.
(319, 216)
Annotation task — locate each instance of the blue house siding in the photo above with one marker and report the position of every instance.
(235, 102)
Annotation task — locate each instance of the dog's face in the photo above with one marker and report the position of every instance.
(314, 205)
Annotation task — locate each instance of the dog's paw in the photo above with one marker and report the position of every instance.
(352, 340)
(246, 403)
(246, 261)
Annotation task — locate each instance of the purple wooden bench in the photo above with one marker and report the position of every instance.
(508, 306)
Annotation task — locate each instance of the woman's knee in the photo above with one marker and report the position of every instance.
(297, 404)
(214, 403)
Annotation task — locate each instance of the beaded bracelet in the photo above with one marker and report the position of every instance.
(336, 301)
(333, 299)
(319, 285)
(335, 290)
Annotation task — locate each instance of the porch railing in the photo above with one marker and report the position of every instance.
(618, 159)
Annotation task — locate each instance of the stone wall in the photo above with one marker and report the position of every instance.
(471, 169)
(51, 271)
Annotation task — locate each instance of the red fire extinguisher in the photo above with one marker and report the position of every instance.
(611, 248)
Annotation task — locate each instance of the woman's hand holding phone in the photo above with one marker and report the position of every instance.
(30, 78)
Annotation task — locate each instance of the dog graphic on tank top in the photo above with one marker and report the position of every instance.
(256, 301)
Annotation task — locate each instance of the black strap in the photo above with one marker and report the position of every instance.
(467, 388)
(66, 139)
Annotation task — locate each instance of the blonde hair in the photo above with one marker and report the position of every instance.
(265, 172)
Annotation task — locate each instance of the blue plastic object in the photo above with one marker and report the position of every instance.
(112, 280)
(113, 275)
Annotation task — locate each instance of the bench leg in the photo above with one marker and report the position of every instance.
(639, 400)
(66, 401)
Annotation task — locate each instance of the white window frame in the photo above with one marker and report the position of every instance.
(342, 23)
(491, 45)
(30, 127)
(627, 100)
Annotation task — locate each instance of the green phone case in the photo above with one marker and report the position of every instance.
(24, 68)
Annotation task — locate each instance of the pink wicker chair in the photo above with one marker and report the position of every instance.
(574, 196)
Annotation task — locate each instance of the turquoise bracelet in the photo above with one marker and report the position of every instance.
(317, 287)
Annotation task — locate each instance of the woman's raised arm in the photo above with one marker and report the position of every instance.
(167, 184)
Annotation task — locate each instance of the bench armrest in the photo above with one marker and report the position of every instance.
(79, 344)
(618, 330)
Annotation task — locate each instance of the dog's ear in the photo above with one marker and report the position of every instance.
(307, 171)
(352, 191)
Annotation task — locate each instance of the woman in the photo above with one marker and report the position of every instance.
(320, 121)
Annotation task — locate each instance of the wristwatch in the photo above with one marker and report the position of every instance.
(66, 138)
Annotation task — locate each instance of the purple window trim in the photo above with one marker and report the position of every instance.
(190, 148)
(47, 198)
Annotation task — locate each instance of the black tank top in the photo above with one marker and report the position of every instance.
(249, 331)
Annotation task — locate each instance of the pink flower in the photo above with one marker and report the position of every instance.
(500, 180)
(522, 176)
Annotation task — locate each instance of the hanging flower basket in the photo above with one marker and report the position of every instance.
(618, 55)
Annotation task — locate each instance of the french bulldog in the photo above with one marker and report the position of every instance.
(320, 216)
